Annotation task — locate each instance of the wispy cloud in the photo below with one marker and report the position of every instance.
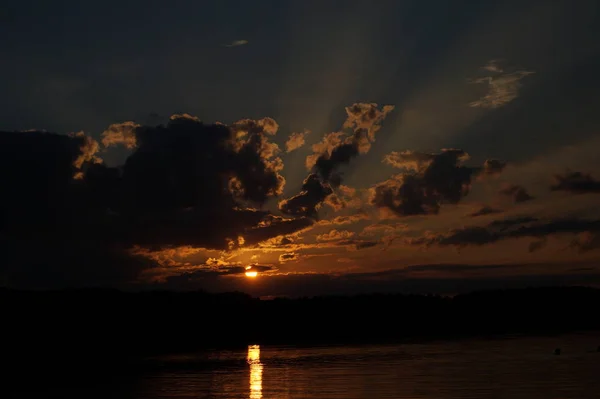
(503, 86)
(237, 43)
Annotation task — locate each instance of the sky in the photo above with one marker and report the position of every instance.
(333, 148)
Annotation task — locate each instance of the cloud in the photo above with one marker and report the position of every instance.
(87, 153)
(439, 268)
(337, 148)
(344, 197)
(184, 115)
(428, 181)
(335, 235)
(167, 257)
(73, 220)
(366, 117)
(344, 220)
(586, 241)
(493, 167)
(576, 183)
(484, 210)
(493, 66)
(308, 201)
(355, 245)
(209, 278)
(537, 245)
(276, 227)
(334, 150)
(237, 43)
(524, 227)
(445, 279)
(411, 160)
(120, 134)
(517, 193)
(288, 257)
(296, 140)
(503, 86)
(382, 229)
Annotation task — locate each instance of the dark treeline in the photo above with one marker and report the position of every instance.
(77, 325)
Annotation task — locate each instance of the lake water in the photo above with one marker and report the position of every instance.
(499, 368)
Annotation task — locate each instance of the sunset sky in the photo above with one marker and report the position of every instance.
(333, 147)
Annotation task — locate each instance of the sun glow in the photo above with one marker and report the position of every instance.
(251, 273)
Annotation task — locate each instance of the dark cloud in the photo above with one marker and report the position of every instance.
(524, 227)
(211, 278)
(437, 267)
(576, 183)
(492, 167)
(51, 223)
(485, 210)
(429, 181)
(357, 245)
(537, 245)
(586, 241)
(307, 202)
(274, 226)
(336, 149)
(340, 155)
(366, 244)
(71, 220)
(442, 279)
(503, 224)
(517, 193)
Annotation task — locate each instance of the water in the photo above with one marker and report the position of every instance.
(500, 368)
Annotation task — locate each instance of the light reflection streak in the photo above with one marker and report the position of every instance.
(256, 370)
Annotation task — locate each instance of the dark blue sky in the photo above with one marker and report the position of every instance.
(71, 65)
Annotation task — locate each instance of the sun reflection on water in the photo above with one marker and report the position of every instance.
(256, 370)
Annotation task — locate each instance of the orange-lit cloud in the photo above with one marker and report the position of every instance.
(121, 134)
(167, 257)
(296, 140)
(88, 149)
(184, 115)
(335, 235)
(344, 220)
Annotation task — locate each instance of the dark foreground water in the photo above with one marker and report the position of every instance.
(500, 368)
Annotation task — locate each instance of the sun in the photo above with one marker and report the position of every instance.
(251, 273)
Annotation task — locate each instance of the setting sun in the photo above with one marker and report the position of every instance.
(251, 273)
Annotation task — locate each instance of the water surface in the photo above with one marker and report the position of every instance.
(501, 368)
